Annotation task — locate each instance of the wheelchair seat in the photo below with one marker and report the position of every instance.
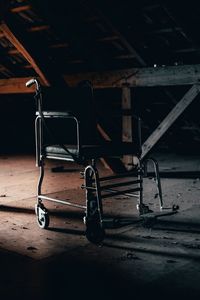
(107, 149)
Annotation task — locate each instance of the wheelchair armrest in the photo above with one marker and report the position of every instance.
(61, 114)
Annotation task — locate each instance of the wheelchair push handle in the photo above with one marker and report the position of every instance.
(33, 81)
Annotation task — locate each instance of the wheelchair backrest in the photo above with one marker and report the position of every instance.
(79, 102)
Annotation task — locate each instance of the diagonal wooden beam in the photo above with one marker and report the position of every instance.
(112, 163)
(170, 119)
(13, 39)
(20, 8)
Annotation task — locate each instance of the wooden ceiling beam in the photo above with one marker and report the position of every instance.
(15, 41)
(125, 56)
(20, 8)
(15, 86)
(108, 38)
(187, 50)
(13, 51)
(140, 77)
(165, 30)
(38, 28)
(27, 67)
(59, 45)
(176, 75)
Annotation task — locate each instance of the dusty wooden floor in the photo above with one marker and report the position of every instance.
(60, 263)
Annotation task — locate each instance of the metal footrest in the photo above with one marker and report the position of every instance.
(123, 175)
(125, 193)
(61, 201)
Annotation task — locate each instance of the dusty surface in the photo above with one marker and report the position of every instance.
(134, 261)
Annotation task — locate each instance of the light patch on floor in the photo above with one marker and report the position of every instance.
(138, 254)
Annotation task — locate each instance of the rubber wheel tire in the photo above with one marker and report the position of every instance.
(44, 221)
(94, 232)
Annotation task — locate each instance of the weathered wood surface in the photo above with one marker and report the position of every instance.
(15, 41)
(140, 77)
(175, 75)
(15, 86)
(170, 119)
(127, 124)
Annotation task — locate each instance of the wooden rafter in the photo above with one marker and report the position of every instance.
(20, 8)
(13, 51)
(38, 28)
(108, 38)
(59, 45)
(21, 48)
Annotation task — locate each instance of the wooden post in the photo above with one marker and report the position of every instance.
(127, 124)
(170, 119)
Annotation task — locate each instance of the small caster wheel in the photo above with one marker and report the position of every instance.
(42, 216)
(143, 209)
(175, 207)
(43, 220)
(94, 232)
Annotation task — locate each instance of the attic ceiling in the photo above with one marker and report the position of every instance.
(52, 39)
(81, 36)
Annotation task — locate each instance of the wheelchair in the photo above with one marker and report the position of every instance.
(86, 149)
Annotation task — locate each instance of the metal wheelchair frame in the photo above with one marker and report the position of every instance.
(96, 188)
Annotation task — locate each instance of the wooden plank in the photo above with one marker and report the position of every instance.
(186, 50)
(103, 133)
(170, 119)
(127, 120)
(114, 164)
(127, 124)
(13, 51)
(20, 47)
(20, 8)
(107, 138)
(108, 38)
(15, 86)
(140, 77)
(125, 56)
(165, 30)
(38, 28)
(99, 80)
(27, 67)
(60, 45)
